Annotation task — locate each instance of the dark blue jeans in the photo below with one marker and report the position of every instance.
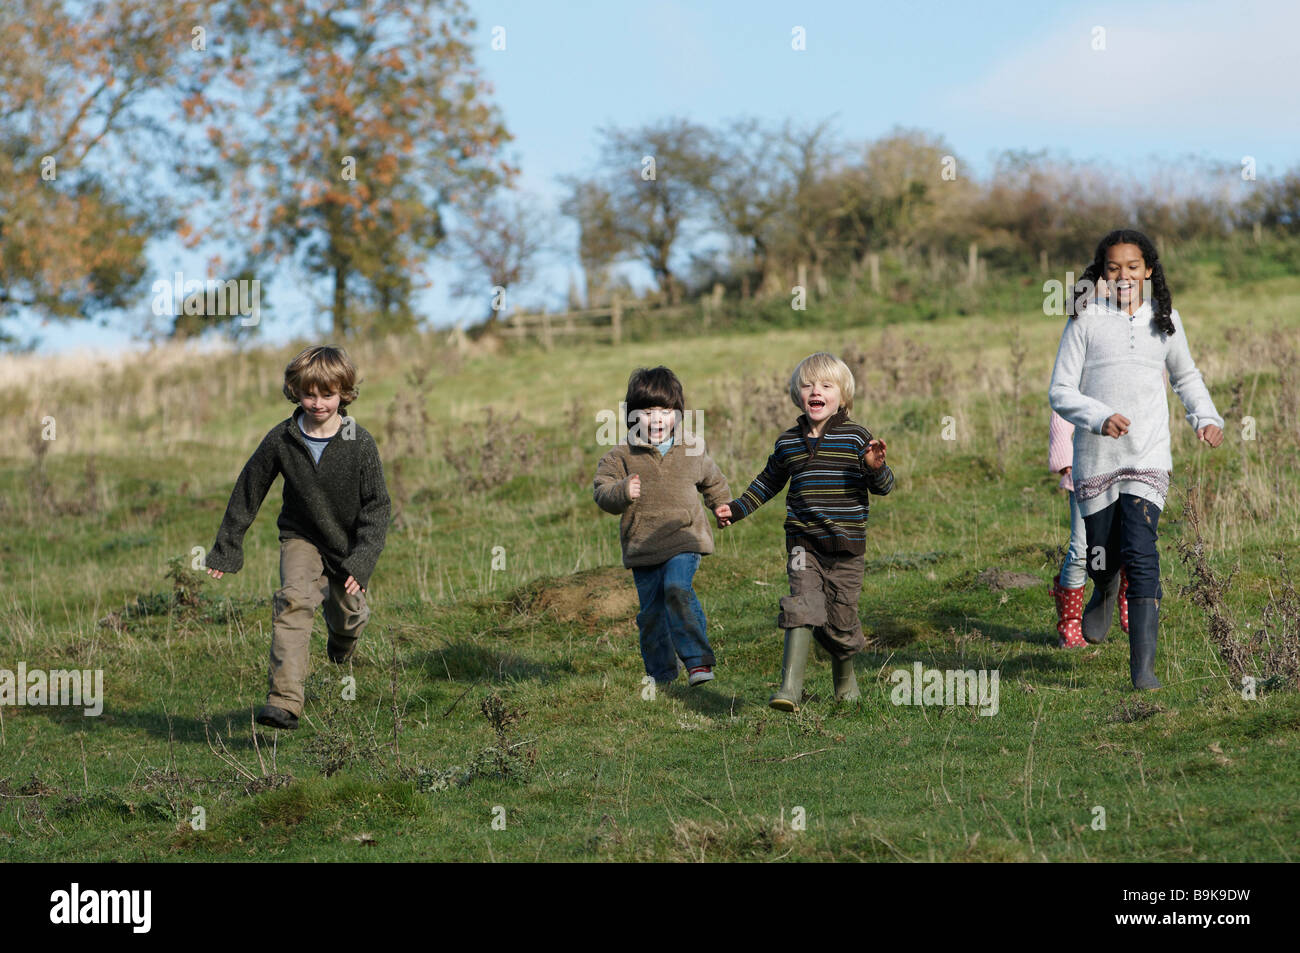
(1124, 535)
(671, 619)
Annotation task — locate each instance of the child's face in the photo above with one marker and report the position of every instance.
(655, 423)
(1125, 271)
(821, 399)
(320, 406)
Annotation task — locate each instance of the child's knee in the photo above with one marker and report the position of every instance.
(293, 600)
(803, 609)
(841, 643)
(678, 597)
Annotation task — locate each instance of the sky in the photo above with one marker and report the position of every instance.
(1127, 86)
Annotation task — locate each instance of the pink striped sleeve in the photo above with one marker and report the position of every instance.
(1060, 443)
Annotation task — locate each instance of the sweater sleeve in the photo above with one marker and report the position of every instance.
(1187, 382)
(1060, 443)
(1065, 396)
(610, 487)
(765, 486)
(877, 481)
(372, 521)
(227, 553)
(712, 483)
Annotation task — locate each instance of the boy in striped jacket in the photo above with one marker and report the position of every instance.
(831, 464)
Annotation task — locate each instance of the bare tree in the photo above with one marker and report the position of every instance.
(500, 240)
(748, 185)
(653, 177)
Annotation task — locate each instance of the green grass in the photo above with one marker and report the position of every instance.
(591, 769)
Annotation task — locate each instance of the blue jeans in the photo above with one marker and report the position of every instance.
(1124, 534)
(671, 619)
(1074, 571)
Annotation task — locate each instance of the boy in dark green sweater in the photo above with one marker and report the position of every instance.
(332, 524)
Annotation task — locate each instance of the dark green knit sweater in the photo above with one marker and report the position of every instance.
(339, 505)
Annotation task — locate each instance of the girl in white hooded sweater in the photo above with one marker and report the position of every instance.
(1108, 382)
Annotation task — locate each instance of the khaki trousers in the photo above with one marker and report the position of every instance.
(824, 592)
(303, 587)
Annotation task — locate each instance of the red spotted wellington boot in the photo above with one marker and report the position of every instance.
(1069, 614)
(1123, 600)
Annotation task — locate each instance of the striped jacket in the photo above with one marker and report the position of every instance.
(827, 505)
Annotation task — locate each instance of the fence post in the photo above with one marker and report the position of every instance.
(1042, 260)
(972, 264)
(616, 320)
(801, 277)
(873, 260)
(546, 330)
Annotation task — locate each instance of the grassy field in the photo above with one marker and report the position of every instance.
(499, 713)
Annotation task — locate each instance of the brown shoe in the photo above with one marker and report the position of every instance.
(274, 717)
(339, 655)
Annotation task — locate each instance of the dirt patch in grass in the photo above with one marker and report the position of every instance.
(586, 598)
(999, 579)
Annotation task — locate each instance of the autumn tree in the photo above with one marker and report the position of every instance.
(1275, 203)
(76, 209)
(601, 242)
(341, 132)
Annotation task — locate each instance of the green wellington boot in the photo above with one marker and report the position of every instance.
(846, 681)
(790, 694)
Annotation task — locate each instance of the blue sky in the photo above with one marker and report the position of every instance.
(1174, 80)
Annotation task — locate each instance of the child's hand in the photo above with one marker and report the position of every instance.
(1064, 471)
(215, 573)
(1211, 435)
(1116, 426)
(634, 486)
(875, 455)
(351, 587)
(723, 513)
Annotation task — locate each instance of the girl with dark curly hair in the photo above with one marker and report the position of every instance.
(1108, 382)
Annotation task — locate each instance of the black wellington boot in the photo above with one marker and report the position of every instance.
(1099, 613)
(1143, 626)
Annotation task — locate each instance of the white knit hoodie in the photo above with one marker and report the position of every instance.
(1110, 362)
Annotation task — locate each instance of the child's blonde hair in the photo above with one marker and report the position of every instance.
(823, 367)
(323, 369)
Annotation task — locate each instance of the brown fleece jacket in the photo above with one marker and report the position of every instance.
(667, 518)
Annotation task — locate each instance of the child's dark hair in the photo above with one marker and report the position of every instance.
(654, 387)
(1162, 301)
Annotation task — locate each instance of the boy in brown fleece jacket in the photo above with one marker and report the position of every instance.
(653, 481)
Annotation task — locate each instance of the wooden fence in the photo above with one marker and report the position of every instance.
(608, 322)
(596, 323)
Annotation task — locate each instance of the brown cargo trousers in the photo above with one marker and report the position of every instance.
(303, 587)
(824, 592)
